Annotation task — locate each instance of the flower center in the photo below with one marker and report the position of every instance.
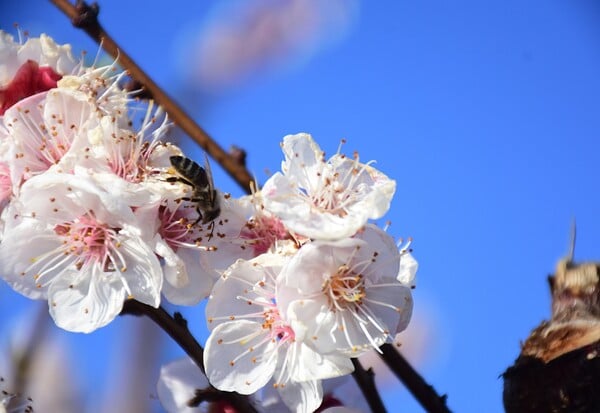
(92, 241)
(340, 186)
(262, 232)
(175, 228)
(344, 288)
(332, 196)
(280, 331)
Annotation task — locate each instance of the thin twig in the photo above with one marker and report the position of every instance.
(85, 18)
(366, 382)
(423, 392)
(176, 327)
(23, 357)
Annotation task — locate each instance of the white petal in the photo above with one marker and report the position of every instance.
(376, 188)
(21, 246)
(177, 384)
(47, 53)
(187, 282)
(316, 262)
(143, 275)
(238, 292)
(238, 358)
(408, 270)
(304, 158)
(397, 295)
(310, 365)
(381, 252)
(24, 122)
(304, 397)
(85, 304)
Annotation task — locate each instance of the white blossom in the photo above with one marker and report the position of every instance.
(79, 245)
(42, 50)
(245, 230)
(325, 199)
(252, 341)
(346, 292)
(31, 67)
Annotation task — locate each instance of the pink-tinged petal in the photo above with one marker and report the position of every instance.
(238, 357)
(177, 385)
(29, 80)
(84, 304)
(74, 227)
(303, 397)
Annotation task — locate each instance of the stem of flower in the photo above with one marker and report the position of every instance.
(176, 327)
(423, 392)
(366, 381)
(85, 17)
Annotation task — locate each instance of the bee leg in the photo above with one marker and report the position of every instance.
(172, 179)
(212, 229)
(199, 216)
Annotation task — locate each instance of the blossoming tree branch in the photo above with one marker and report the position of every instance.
(101, 218)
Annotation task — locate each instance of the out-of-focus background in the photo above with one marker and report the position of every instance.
(487, 114)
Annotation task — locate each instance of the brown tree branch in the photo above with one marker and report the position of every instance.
(423, 392)
(176, 327)
(366, 382)
(84, 17)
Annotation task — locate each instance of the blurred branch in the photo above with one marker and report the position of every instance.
(176, 327)
(423, 392)
(23, 357)
(85, 17)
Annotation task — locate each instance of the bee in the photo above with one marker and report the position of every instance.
(204, 194)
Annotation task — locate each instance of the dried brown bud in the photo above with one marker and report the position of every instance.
(558, 369)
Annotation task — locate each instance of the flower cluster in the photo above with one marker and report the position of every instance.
(91, 214)
(323, 285)
(96, 211)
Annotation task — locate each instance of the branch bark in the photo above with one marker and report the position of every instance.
(366, 382)
(176, 327)
(85, 17)
(423, 392)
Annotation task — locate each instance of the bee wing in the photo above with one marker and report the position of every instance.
(210, 184)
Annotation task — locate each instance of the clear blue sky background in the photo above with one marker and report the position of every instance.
(486, 113)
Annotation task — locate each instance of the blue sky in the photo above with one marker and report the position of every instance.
(485, 113)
